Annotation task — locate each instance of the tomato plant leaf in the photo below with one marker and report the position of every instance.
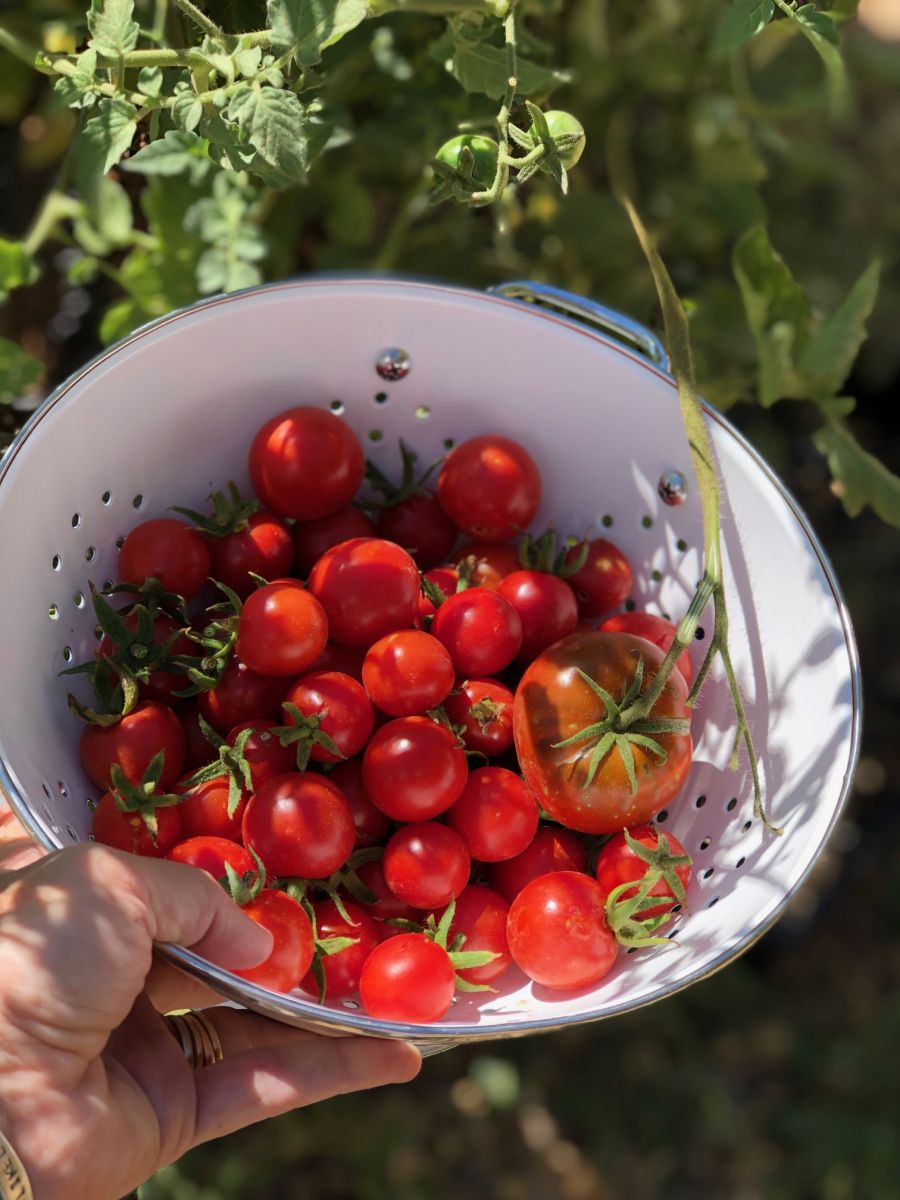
(187, 111)
(178, 151)
(18, 371)
(481, 67)
(310, 26)
(273, 122)
(821, 32)
(830, 352)
(77, 89)
(150, 80)
(741, 21)
(113, 28)
(17, 267)
(860, 479)
(107, 135)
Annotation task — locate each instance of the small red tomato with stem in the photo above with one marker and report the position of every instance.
(328, 717)
(629, 856)
(169, 551)
(147, 641)
(558, 932)
(341, 967)
(261, 751)
(552, 849)
(490, 487)
(421, 527)
(368, 588)
(306, 463)
(300, 826)
(484, 708)
(480, 629)
(546, 605)
(407, 672)
(241, 695)
(207, 809)
(496, 816)
(387, 906)
(414, 769)
(283, 629)
(655, 629)
(426, 864)
(140, 818)
(294, 942)
(603, 581)
(210, 854)
(485, 564)
(480, 917)
(313, 538)
(370, 822)
(133, 742)
(263, 546)
(408, 978)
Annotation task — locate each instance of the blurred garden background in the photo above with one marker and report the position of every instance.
(777, 1079)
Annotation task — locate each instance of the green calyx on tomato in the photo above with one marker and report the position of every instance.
(623, 911)
(244, 888)
(230, 513)
(439, 931)
(464, 165)
(410, 483)
(231, 762)
(215, 642)
(143, 798)
(304, 732)
(553, 143)
(540, 554)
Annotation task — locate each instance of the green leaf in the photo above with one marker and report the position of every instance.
(860, 479)
(480, 67)
(740, 22)
(273, 123)
(310, 26)
(17, 267)
(817, 24)
(18, 371)
(178, 151)
(77, 90)
(220, 271)
(150, 80)
(107, 135)
(830, 353)
(187, 111)
(119, 320)
(777, 311)
(113, 29)
(822, 34)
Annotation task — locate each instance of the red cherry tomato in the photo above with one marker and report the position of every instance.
(604, 580)
(484, 708)
(487, 563)
(128, 830)
(344, 710)
(546, 605)
(313, 538)
(617, 863)
(481, 916)
(198, 751)
(132, 743)
(294, 942)
(368, 588)
(421, 527)
(263, 753)
(370, 822)
(283, 629)
(496, 815)
(204, 810)
(299, 825)
(162, 684)
(557, 931)
(264, 546)
(306, 463)
(343, 968)
(210, 854)
(169, 551)
(445, 577)
(425, 864)
(490, 487)
(481, 630)
(340, 658)
(655, 629)
(551, 850)
(408, 978)
(386, 906)
(414, 769)
(407, 672)
(241, 695)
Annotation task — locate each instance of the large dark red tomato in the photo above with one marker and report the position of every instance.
(370, 822)
(546, 605)
(617, 864)
(294, 945)
(552, 849)
(306, 463)
(169, 551)
(299, 825)
(426, 864)
(421, 526)
(655, 629)
(408, 978)
(558, 933)
(128, 830)
(342, 968)
(133, 742)
(407, 672)
(496, 815)
(368, 588)
(162, 684)
(480, 916)
(313, 538)
(343, 709)
(283, 629)
(210, 854)
(204, 810)
(481, 630)
(483, 707)
(603, 581)
(490, 487)
(554, 702)
(264, 546)
(242, 695)
(414, 769)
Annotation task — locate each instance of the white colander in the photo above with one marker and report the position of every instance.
(168, 414)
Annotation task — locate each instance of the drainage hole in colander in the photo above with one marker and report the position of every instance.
(375, 435)
(713, 902)
(61, 787)
(449, 443)
(76, 520)
(675, 908)
(606, 520)
(350, 1004)
(119, 541)
(71, 832)
(700, 633)
(681, 545)
(731, 805)
(661, 816)
(740, 862)
(423, 412)
(78, 599)
(672, 935)
(67, 654)
(746, 825)
(630, 606)
(108, 586)
(705, 844)
(647, 522)
(700, 801)
(53, 612)
(381, 397)
(138, 501)
(631, 950)
(337, 406)
(56, 562)
(98, 632)
(91, 553)
(707, 873)
(106, 497)
(46, 793)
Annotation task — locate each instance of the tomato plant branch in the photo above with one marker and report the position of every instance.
(501, 176)
(202, 21)
(56, 207)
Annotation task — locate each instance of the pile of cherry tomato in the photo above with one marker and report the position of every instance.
(383, 716)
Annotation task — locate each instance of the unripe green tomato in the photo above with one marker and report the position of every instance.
(484, 150)
(559, 121)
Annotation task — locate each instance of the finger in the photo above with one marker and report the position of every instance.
(17, 849)
(170, 988)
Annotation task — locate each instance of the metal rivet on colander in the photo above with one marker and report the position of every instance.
(672, 487)
(393, 363)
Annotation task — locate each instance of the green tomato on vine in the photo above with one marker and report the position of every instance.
(464, 165)
(566, 133)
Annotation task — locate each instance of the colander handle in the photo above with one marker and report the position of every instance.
(623, 328)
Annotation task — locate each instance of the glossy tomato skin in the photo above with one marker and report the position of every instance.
(198, 751)
(283, 629)
(370, 822)
(241, 695)
(487, 563)
(421, 527)
(481, 630)
(162, 684)
(204, 810)
(132, 743)
(210, 854)
(127, 830)
(546, 605)
(655, 629)
(483, 707)
(387, 905)
(481, 916)
(496, 816)
(426, 864)
(169, 551)
(604, 580)
(294, 942)
(617, 864)
(407, 672)
(551, 849)
(413, 769)
(306, 463)
(313, 538)
(553, 703)
(342, 969)
(558, 933)
(490, 487)
(349, 717)
(368, 588)
(407, 978)
(299, 825)
(264, 546)
(263, 753)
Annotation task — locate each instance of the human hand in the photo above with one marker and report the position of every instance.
(95, 1092)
